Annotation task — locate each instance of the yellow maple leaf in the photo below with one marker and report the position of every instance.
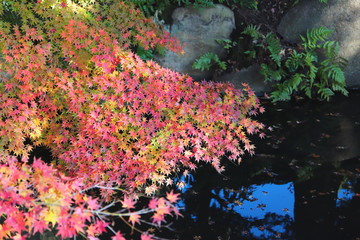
(51, 216)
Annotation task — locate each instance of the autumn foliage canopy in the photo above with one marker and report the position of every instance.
(70, 82)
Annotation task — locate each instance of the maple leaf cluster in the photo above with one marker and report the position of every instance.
(70, 82)
(37, 197)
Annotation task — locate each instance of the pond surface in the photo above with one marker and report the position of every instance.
(303, 182)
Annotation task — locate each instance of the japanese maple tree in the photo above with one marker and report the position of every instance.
(70, 82)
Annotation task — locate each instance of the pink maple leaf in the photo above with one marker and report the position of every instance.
(118, 236)
(153, 203)
(145, 236)
(92, 203)
(128, 203)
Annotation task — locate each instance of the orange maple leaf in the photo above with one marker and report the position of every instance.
(134, 218)
(172, 197)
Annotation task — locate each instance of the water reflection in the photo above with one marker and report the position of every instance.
(304, 182)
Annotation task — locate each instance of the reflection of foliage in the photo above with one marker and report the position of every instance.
(221, 218)
(229, 198)
(305, 173)
(267, 224)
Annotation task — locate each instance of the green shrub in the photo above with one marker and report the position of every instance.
(302, 70)
(206, 61)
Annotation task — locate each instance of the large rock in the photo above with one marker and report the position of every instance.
(250, 75)
(343, 16)
(198, 29)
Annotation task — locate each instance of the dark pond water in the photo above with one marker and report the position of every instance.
(303, 183)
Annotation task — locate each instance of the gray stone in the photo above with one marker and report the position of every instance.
(343, 16)
(197, 30)
(250, 75)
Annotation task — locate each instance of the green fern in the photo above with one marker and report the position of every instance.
(302, 71)
(274, 47)
(226, 43)
(294, 61)
(325, 92)
(313, 36)
(253, 31)
(271, 74)
(206, 61)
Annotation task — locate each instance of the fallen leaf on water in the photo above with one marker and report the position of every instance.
(340, 147)
(237, 202)
(262, 206)
(325, 135)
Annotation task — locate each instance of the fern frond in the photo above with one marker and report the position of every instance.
(281, 94)
(335, 73)
(308, 91)
(295, 81)
(253, 31)
(315, 35)
(331, 48)
(294, 61)
(274, 48)
(271, 74)
(205, 62)
(340, 89)
(325, 93)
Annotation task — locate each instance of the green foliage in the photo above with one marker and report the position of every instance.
(206, 61)
(150, 7)
(270, 43)
(311, 40)
(226, 43)
(251, 4)
(315, 69)
(274, 47)
(148, 54)
(253, 31)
